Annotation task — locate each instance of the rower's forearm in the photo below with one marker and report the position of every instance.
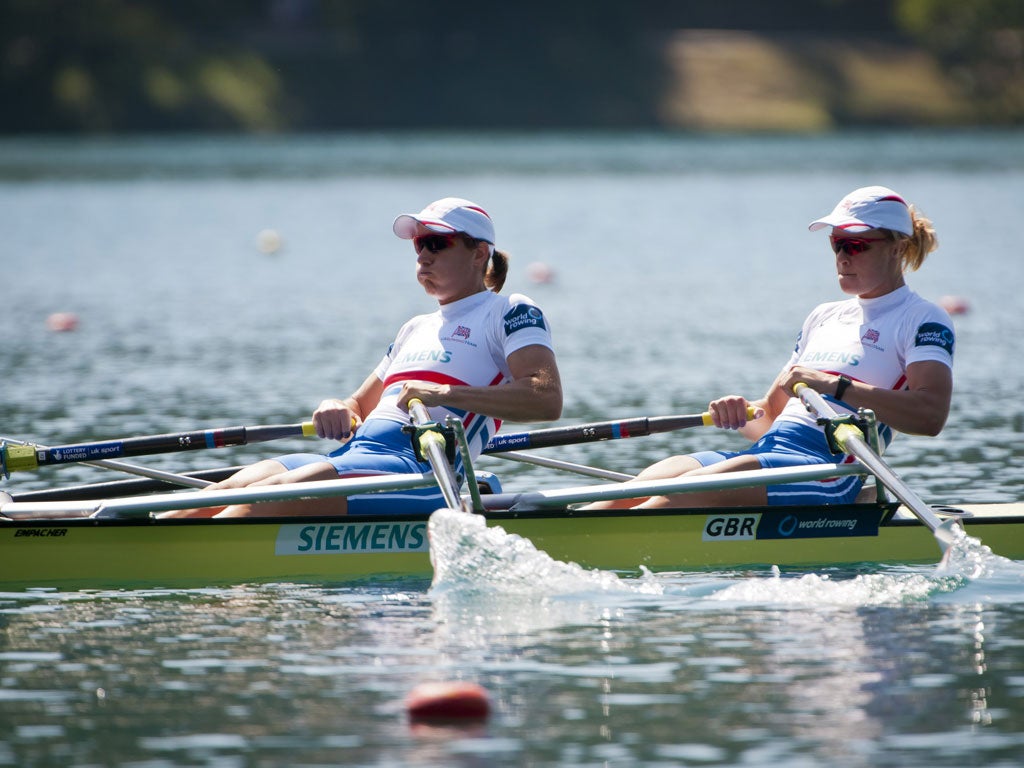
(522, 400)
(912, 412)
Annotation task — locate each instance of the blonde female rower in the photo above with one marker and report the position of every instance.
(886, 349)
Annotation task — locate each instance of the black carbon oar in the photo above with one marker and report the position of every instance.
(16, 458)
(598, 430)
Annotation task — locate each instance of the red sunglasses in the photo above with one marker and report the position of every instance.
(853, 245)
(433, 243)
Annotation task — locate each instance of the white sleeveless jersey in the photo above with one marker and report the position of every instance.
(465, 342)
(873, 341)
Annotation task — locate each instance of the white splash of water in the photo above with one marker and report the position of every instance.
(476, 567)
(978, 574)
(470, 556)
(490, 584)
(969, 572)
(821, 589)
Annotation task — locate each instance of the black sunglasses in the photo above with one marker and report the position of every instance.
(854, 245)
(433, 243)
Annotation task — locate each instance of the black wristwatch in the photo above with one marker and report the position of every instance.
(841, 386)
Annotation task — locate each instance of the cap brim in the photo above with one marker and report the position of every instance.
(846, 224)
(407, 226)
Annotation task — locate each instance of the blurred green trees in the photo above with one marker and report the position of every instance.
(980, 43)
(104, 66)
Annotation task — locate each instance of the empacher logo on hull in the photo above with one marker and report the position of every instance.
(351, 538)
(809, 524)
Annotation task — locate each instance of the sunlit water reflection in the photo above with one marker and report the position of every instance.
(683, 270)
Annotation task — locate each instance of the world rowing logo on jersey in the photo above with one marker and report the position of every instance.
(461, 332)
(935, 334)
(523, 316)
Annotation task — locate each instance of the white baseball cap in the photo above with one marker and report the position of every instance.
(869, 208)
(450, 214)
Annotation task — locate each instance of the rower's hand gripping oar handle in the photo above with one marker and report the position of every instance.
(708, 421)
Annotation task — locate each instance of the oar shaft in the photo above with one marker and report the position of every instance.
(566, 466)
(587, 433)
(166, 502)
(599, 430)
(32, 457)
(152, 474)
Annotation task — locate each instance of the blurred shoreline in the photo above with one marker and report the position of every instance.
(312, 66)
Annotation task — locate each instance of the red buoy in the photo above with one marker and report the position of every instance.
(955, 305)
(448, 701)
(539, 272)
(62, 321)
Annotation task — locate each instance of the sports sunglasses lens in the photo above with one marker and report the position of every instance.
(850, 245)
(433, 243)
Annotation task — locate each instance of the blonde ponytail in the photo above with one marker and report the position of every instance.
(919, 244)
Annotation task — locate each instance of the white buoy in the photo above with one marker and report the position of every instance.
(269, 241)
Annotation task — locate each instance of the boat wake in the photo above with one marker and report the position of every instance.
(969, 573)
(470, 556)
(483, 574)
(488, 582)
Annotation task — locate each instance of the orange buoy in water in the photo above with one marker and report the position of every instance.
(539, 272)
(448, 701)
(62, 321)
(955, 305)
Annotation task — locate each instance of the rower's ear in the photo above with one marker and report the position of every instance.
(482, 252)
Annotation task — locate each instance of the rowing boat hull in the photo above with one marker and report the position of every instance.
(90, 553)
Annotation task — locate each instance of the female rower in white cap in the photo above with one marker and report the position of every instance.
(885, 349)
(480, 357)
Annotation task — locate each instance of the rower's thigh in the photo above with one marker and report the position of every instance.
(673, 466)
(252, 474)
(318, 470)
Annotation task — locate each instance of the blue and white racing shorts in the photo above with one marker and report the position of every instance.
(379, 447)
(788, 444)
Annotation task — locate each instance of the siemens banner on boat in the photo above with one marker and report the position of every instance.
(351, 538)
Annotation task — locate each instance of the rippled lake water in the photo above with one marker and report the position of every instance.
(682, 269)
